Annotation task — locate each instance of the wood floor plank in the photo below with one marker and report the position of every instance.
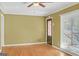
(33, 50)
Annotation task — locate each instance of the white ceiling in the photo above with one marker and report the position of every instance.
(22, 9)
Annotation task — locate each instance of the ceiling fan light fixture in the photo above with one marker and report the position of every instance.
(36, 4)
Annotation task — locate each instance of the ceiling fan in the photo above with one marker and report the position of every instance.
(36, 4)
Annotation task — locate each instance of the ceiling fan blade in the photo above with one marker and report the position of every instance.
(41, 5)
(30, 5)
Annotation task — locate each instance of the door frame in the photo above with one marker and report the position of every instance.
(49, 17)
(51, 29)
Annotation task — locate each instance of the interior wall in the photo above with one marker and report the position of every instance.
(56, 20)
(21, 29)
(17, 28)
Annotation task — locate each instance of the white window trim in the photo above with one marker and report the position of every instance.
(2, 29)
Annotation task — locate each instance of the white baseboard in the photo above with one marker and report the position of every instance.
(55, 47)
(24, 44)
(63, 50)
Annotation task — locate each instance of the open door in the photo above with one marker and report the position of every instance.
(49, 31)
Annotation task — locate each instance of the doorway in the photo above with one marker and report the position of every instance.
(49, 31)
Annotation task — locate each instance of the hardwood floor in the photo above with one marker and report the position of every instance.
(33, 50)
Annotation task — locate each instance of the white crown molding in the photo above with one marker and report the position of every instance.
(23, 14)
(61, 9)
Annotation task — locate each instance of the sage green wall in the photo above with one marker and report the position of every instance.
(56, 20)
(21, 29)
(26, 29)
